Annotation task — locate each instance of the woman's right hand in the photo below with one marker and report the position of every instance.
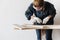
(36, 19)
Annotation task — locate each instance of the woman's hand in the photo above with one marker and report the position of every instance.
(45, 20)
(36, 19)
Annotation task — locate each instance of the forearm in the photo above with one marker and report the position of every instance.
(46, 19)
(49, 16)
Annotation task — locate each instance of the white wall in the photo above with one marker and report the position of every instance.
(12, 12)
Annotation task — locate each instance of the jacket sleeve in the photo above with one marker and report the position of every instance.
(29, 12)
(52, 11)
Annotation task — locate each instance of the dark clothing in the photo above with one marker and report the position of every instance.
(49, 10)
(48, 34)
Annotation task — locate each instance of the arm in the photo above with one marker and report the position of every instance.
(29, 12)
(52, 13)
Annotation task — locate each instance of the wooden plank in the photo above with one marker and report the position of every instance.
(29, 26)
(42, 27)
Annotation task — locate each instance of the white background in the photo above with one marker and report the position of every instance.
(13, 12)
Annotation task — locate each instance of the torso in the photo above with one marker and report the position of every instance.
(42, 14)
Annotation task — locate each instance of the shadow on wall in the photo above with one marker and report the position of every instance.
(57, 18)
(56, 34)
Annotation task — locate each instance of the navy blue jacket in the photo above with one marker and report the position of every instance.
(49, 10)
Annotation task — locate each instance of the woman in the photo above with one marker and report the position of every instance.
(46, 12)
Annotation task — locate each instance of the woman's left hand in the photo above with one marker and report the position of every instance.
(45, 20)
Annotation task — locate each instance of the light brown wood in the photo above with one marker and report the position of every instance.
(42, 27)
(29, 26)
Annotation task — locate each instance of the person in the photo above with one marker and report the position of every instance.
(45, 12)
